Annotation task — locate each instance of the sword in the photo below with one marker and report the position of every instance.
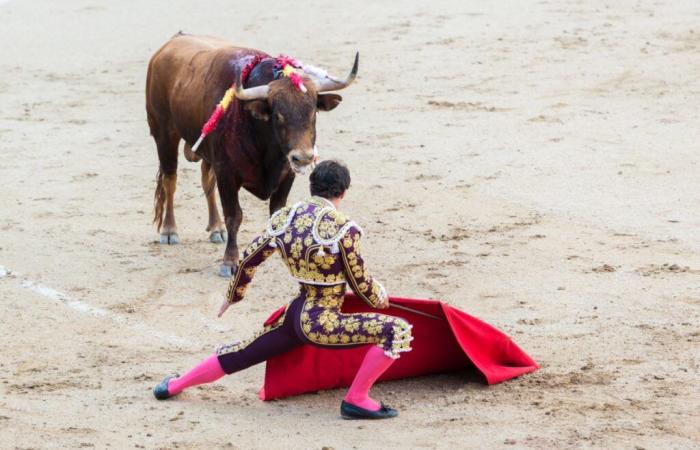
(415, 311)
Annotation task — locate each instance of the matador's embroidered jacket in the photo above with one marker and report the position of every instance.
(321, 249)
(319, 245)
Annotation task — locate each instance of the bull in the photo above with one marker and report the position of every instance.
(267, 135)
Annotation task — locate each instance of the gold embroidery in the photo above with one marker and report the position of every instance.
(324, 261)
(373, 327)
(351, 324)
(330, 327)
(327, 229)
(279, 219)
(249, 253)
(358, 275)
(296, 248)
(303, 222)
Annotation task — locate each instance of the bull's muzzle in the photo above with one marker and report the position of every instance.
(302, 160)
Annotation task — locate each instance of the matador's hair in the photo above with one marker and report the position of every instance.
(329, 179)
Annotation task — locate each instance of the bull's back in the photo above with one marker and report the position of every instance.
(183, 79)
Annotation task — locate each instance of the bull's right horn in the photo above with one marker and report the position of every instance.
(333, 84)
(254, 93)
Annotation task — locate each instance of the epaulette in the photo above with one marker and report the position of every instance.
(281, 219)
(330, 227)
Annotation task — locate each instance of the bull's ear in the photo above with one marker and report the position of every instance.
(326, 102)
(259, 109)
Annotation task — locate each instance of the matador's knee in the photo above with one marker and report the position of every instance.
(400, 338)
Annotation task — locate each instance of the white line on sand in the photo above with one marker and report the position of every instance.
(85, 308)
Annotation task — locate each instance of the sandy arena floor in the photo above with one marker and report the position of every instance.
(533, 163)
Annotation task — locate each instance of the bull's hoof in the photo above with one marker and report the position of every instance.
(217, 237)
(226, 271)
(169, 238)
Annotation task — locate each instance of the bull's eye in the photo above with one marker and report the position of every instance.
(280, 118)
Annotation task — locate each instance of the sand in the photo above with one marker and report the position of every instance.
(533, 163)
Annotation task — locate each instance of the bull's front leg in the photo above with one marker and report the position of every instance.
(278, 199)
(233, 215)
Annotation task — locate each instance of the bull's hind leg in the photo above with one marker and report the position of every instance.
(167, 142)
(215, 227)
(168, 232)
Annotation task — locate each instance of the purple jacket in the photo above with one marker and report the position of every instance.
(319, 245)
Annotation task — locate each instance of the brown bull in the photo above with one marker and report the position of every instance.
(267, 134)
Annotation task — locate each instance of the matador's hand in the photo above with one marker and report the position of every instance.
(224, 307)
(384, 304)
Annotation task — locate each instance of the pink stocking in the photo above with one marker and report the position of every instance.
(207, 371)
(374, 364)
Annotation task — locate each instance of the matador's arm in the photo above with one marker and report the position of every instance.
(356, 274)
(254, 255)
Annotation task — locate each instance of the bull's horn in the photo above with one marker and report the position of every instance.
(332, 84)
(254, 93)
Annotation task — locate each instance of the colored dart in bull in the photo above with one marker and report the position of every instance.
(223, 105)
(216, 116)
(220, 110)
(289, 66)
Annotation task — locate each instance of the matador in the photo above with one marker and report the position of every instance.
(321, 248)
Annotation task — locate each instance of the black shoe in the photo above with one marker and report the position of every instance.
(350, 411)
(161, 389)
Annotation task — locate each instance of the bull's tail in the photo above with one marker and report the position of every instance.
(159, 200)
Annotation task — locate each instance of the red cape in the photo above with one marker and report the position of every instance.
(454, 341)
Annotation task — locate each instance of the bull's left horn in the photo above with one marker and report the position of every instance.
(332, 84)
(254, 93)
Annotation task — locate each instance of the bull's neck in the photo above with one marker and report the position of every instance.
(273, 156)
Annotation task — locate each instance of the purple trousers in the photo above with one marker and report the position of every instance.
(273, 340)
(315, 318)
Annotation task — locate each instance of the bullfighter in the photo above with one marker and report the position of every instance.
(321, 248)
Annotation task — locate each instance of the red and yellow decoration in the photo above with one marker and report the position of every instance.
(213, 121)
(288, 67)
(284, 66)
